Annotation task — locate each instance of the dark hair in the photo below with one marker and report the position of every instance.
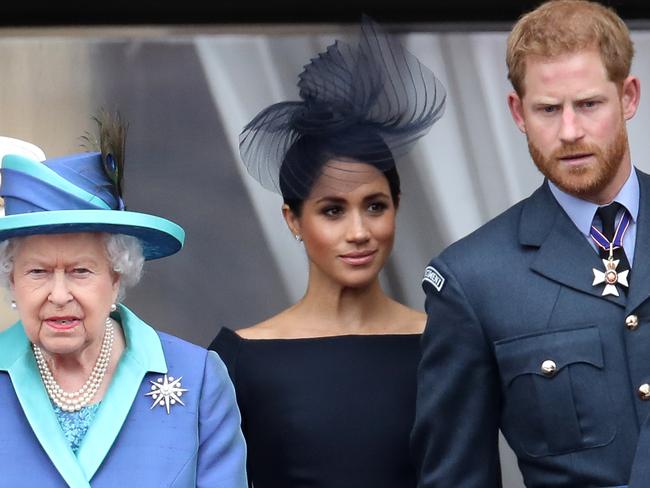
(303, 162)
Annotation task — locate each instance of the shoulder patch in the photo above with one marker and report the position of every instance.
(433, 276)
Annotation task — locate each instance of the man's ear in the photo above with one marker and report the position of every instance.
(630, 96)
(517, 110)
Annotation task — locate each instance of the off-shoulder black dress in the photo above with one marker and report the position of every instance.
(329, 412)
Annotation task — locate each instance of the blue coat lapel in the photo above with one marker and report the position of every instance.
(564, 255)
(143, 353)
(18, 360)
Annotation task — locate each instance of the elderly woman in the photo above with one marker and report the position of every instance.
(89, 393)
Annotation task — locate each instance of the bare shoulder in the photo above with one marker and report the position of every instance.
(271, 328)
(410, 320)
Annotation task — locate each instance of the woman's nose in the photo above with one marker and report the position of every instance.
(358, 229)
(60, 292)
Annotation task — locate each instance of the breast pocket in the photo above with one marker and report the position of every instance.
(555, 390)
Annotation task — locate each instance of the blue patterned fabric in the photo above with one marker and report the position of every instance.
(75, 424)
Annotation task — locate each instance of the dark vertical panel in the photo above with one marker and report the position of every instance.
(180, 166)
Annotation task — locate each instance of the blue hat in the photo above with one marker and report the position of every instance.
(74, 194)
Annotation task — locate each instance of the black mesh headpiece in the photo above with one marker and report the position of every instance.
(366, 103)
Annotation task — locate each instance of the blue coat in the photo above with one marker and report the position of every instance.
(500, 302)
(129, 443)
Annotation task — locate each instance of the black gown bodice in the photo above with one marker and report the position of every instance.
(329, 412)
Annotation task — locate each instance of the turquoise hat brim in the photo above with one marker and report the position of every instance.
(159, 237)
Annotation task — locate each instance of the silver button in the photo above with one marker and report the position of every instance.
(644, 391)
(549, 368)
(631, 322)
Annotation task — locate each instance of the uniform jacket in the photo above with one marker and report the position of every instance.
(129, 443)
(500, 302)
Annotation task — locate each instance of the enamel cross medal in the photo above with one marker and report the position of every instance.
(610, 276)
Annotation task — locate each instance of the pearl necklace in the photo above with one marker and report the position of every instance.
(76, 400)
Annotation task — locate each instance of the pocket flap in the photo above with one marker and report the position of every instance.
(525, 354)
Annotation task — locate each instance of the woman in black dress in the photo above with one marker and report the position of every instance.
(326, 388)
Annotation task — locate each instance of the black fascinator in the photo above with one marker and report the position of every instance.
(367, 103)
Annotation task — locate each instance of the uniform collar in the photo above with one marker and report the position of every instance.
(563, 254)
(581, 212)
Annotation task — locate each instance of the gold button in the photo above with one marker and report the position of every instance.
(549, 368)
(631, 322)
(644, 391)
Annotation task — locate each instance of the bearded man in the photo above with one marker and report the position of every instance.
(539, 321)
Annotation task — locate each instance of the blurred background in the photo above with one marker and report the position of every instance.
(188, 77)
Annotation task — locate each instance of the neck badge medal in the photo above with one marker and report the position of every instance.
(611, 276)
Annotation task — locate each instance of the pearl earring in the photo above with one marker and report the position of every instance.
(113, 307)
(297, 237)
(13, 304)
